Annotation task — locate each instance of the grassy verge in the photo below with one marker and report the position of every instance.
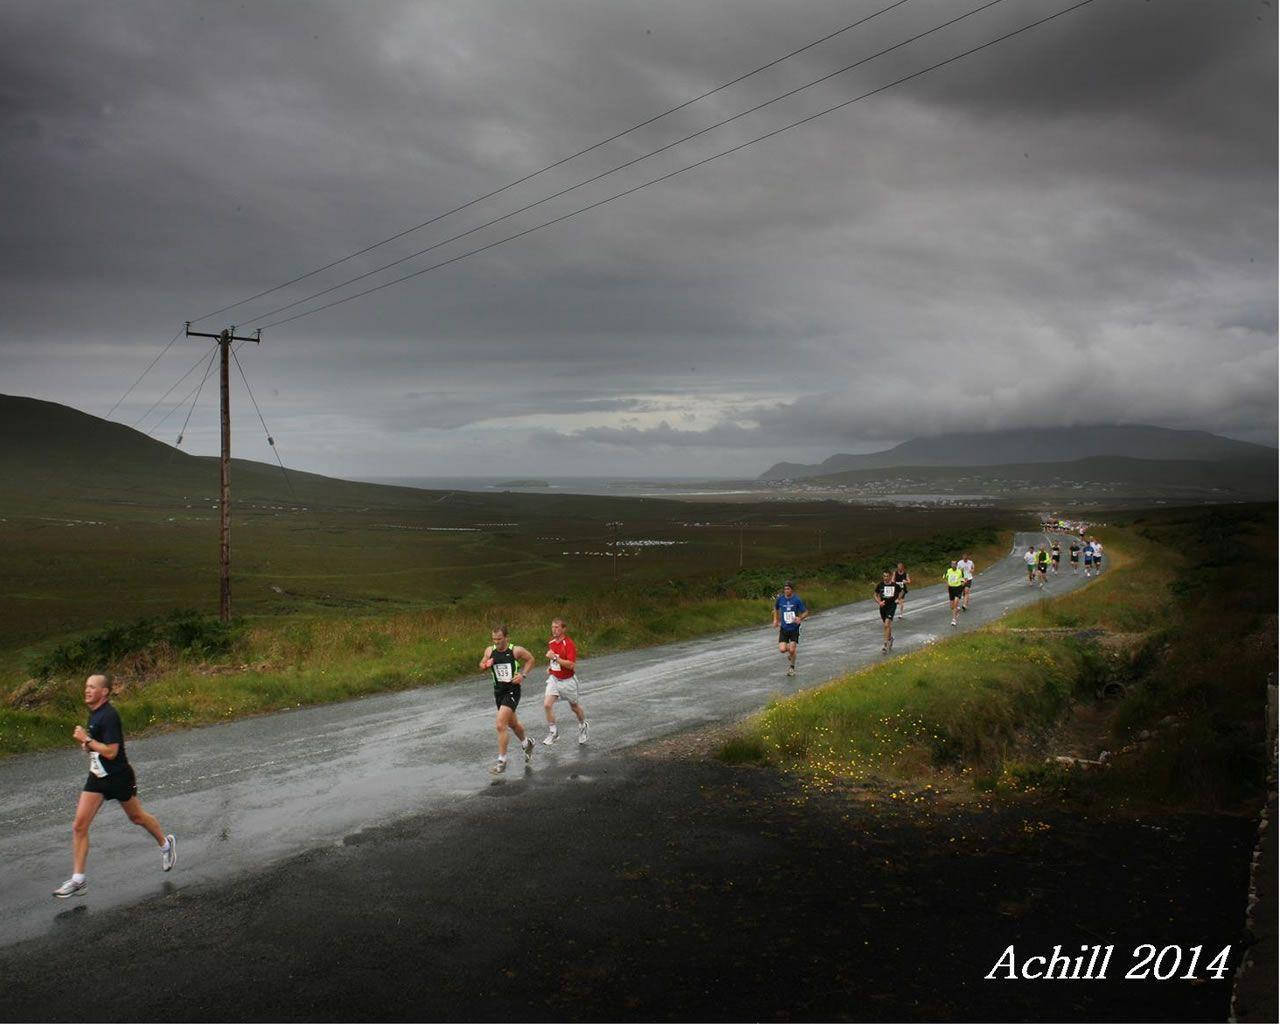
(1183, 621)
(963, 702)
(272, 665)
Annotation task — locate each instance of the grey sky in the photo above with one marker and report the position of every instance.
(1075, 226)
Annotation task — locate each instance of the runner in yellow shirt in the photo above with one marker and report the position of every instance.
(955, 588)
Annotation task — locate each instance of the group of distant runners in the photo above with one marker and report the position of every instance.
(1045, 560)
(111, 777)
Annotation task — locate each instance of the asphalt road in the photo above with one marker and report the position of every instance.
(247, 794)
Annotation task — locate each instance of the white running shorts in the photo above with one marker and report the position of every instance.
(563, 688)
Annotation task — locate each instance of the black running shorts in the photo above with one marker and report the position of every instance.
(887, 611)
(120, 786)
(789, 635)
(506, 695)
(954, 592)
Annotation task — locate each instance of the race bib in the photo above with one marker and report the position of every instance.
(504, 672)
(95, 766)
(888, 592)
(789, 617)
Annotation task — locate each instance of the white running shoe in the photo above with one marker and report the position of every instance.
(582, 732)
(498, 767)
(552, 736)
(169, 857)
(954, 623)
(71, 888)
(528, 750)
(884, 648)
(791, 670)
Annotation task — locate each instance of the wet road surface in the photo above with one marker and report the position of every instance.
(246, 794)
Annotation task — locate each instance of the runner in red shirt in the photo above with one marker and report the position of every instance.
(562, 682)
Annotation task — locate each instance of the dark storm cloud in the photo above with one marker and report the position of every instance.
(1075, 226)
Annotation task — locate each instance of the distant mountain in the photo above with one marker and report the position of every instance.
(1194, 479)
(1017, 447)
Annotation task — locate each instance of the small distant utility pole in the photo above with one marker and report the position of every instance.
(742, 525)
(615, 526)
(224, 339)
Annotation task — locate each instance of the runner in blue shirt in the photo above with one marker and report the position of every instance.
(788, 612)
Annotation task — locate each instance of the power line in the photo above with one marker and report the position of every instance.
(626, 164)
(271, 441)
(143, 374)
(168, 393)
(552, 166)
(183, 432)
(689, 167)
(195, 391)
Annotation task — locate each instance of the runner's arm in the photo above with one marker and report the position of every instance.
(564, 662)
(485, 663)
(526, 658)
(91, 746)
(107, 750)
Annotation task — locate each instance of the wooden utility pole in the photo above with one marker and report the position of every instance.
(224, 339)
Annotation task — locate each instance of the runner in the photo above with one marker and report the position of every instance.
(1097, 556)
(111, 777)
(886, 594)
(788, 612)
(1074, 554)
(902, 579)
(500, 659)
(1029, 556)
(955, 588)
(1088, 558)
(562, 681)
(1042, 565)
(965, 565)
(1055, 553)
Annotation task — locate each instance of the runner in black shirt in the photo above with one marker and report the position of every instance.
(902, 579)
(501, 659)
(887, 598)
(110, 778)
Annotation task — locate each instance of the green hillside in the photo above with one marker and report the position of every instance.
(50, 451)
